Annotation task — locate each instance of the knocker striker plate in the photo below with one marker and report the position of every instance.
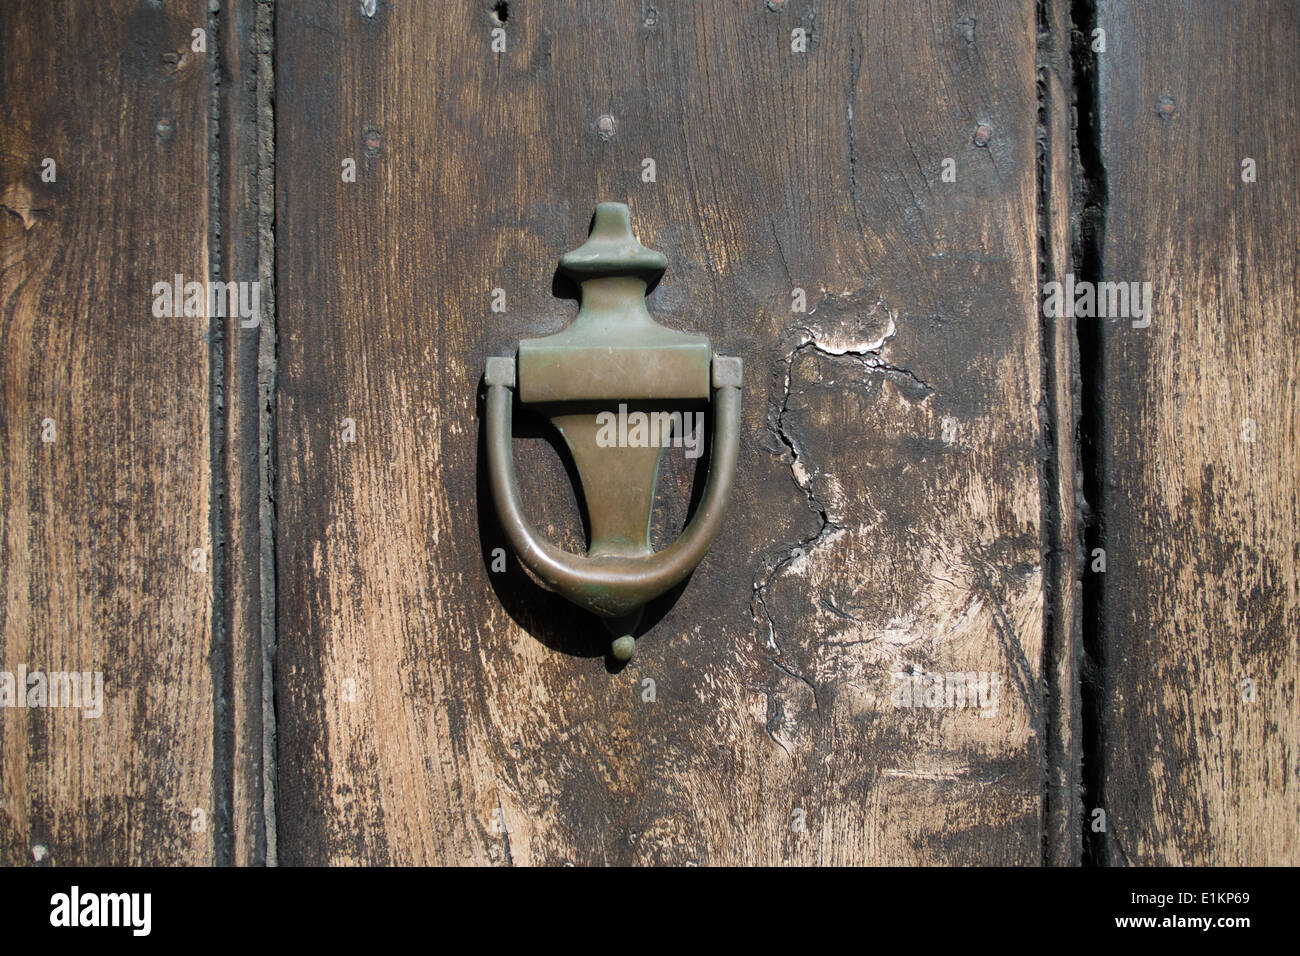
(611, 364)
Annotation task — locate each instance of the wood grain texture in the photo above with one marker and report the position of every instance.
(1062, 522)
(246, 253)
(1200, 523)
(98, 527)
(888, 510)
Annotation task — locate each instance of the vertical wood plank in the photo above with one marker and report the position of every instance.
(1200, 435)
(100, 525)
(247, 249)
(1062, 522)
(888, 515)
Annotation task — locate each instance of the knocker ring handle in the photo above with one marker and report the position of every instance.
(613, 352)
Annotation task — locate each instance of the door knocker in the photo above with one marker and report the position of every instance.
(611, 357)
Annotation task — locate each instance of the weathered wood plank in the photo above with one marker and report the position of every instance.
(1062, 522)
(100, 525)
(1200, 521)
(247, 251)
(888, 511)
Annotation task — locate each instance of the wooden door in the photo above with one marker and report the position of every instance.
(996, 586)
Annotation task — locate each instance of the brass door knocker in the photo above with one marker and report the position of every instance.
(611, 357)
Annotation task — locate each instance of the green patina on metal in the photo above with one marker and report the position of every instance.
(614, 351)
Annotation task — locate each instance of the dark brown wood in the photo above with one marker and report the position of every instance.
(1200, 522)
(247, 349)
(98, 527)
(888, 513)
(907, 495)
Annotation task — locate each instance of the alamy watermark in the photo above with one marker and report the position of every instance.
(53, 689)
(650, 429)
(198, 300)
(130, 910)
(1098, 300)
(951, 690)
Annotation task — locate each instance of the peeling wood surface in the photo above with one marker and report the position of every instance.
(1200, 523)
(906, 499)
(888, 514)
(97, 528)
